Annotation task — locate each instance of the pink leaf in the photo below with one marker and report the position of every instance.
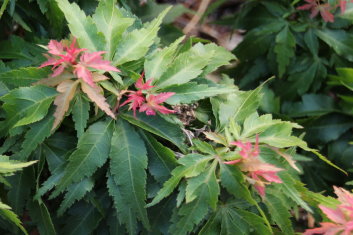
(55, 47)
(335, 215)
(83, 73)
(95, 60)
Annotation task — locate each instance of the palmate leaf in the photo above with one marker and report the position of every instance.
(284, 49)
(191, 92)
(157, 63)
(82, 26)
(128, 163)
(162, 160)
(62, 101)
(187, 66)
(91, 153)
(158, 126)
(192, 165)
(136, 43)
(111, 22)
(80, 114)
(26, 105)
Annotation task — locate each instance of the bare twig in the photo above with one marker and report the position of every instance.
(195, 20)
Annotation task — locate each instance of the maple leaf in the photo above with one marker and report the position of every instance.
(259, 173)
(92, 60)
(94, 94)
(341, 217)
(135, 99)
(153, 104)
(67, 91)
(143, 86)
(316, 7)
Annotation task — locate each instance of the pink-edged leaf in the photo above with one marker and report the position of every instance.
(50, 61)
(305, 7)
(161, 97)
(232, 162)
(95, 60)
(261, 189)
(83, 73)
(99, 77)
(287, 157)
(270, 177)
(326, 228)
(66, 91)
(57, 71)
(94, 94)
(135, 99)
(336, 215)
(143, 86)
(326, 14)
(55, 47)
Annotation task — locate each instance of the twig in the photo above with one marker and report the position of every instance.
(195, 20)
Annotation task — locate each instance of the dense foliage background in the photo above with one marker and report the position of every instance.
(200, 117)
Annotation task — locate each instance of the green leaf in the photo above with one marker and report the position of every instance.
(192, 165)
(190, 92)
(128, 166)
(84, 219)
(284, 49)
(111, 22)
(339, 40)
(233, 180)
(80, 114)
(12, 217)
(52, 181)
(158, 126)
(9, 166)
(41, 217)
(279, 213)
(36, 135)
(26, 105)
(221, 56)
(161, 159)
(187, 66)
(125, 213)
(311, 105)
(135, 44)
(74, 193)
(24, 76)
(157, 63)
(91, 153)
(82, 26)
(205, 179)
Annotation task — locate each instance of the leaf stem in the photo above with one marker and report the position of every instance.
(262, 213)
(3, 7)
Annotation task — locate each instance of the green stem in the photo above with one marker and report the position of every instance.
(3, 7)
(262, 213)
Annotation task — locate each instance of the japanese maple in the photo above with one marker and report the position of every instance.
(341, 217)
(316, 7)
(149, 104)
(259, 173)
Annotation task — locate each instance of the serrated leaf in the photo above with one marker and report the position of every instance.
(125, 213)
(190, 92)
(156, 64)
(136, 43)
(91, 153)
(74, 193)
(24, 76)
(192, 165)
(161, 159)
(41, 217)
(26, 105)
(50, 183)
(111, 22)
(187, 66)
(233, 180)
(80, 114)
(284, 49)
(82, 26)
(36, 135)
(84, 219)
(221, 56)
(10, 216)
(94, 94)
(279, 213)
(9, 166)
(128, 167)
(158, 126)
(205, 179)
(62, 101)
